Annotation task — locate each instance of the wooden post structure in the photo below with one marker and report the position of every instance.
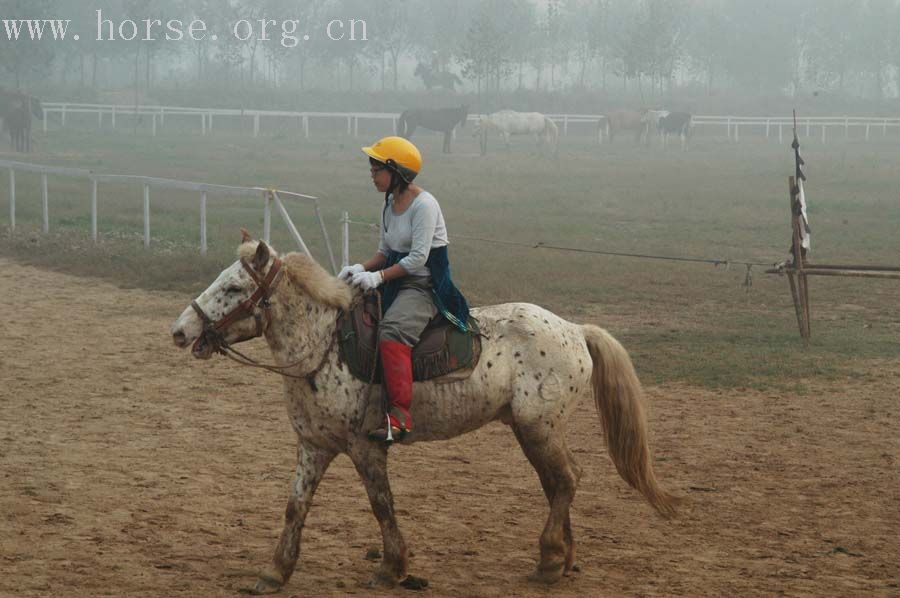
(799, 288)
(799, 267)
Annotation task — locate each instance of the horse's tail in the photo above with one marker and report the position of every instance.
(551, 131)
(401, 123)
(618, 395)
(37, 108)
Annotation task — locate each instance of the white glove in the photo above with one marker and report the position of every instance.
(368, 280)
(347, 272)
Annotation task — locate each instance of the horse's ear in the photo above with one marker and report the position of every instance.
(245, 236)
(261, 257)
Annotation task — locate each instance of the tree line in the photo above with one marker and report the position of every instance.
(646, 47)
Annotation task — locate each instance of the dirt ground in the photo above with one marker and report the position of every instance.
(130, 469)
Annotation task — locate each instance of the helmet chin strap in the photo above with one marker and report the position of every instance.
(395, 181)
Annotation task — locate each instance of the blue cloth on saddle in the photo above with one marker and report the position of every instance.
(447, 298)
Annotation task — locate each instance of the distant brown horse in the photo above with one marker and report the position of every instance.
(627, 120)
(16, 109)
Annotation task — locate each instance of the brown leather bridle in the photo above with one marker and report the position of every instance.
(265, 287)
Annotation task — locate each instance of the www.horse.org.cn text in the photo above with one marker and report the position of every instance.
(287, 32)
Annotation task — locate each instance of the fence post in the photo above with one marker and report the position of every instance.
(209, 123)
(846, 128)
(306, 126)
(729, 128)
(63, 119)
(884, 128)
(737, 133)
(256, 125)
(267, 217)
(345, 239)
(146, 215)
(807, 127)
(44, 121)
(162, 116)
(356, 126)
(94, 209)
(203, 123)
(99, 118)
(203, 223)
(823, 133)
(154, 124)
(767, 128)
(565, 125)
(114, 116)
(780, 136)
(349, 127)
(867, 131)
(12, 199)
(45, 204)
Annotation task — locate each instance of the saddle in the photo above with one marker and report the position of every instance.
(441, 350)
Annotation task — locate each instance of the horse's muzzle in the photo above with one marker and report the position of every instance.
(180, 339)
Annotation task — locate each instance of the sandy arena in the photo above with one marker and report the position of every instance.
(128, 468)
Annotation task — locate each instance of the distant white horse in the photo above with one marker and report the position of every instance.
(510, 122)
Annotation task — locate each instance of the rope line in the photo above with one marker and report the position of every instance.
(542, 245)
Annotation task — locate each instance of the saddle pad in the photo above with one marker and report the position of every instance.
(442, 348)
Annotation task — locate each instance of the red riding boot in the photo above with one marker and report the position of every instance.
(396, 362)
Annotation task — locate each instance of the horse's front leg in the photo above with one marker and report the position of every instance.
(370, 460)
(312, 463)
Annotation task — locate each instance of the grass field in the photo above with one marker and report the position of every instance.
(681, 321)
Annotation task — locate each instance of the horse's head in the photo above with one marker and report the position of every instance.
(233, 308)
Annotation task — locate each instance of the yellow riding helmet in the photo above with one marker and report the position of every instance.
(398, 154)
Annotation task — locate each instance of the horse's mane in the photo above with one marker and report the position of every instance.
(307, 274)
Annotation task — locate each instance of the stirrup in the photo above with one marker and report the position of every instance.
(388, 434)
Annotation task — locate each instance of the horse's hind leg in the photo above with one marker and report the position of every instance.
(559, 476)
(311, 466)
(370, 461)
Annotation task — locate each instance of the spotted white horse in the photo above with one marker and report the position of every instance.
(509, 122)
(534, 369)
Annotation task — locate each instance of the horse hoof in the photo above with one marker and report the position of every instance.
(414, 583)
(266, 584)
(547, 575)
(382, 581)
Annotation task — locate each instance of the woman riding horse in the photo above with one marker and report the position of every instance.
(411, 262)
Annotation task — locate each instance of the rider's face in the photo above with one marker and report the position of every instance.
(381, 177)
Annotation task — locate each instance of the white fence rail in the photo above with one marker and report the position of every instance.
(269, 197)
(732, 125)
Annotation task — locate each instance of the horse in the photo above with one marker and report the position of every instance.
(432, 78)
(534, 369)
(509, 122)
(442, 119)
(675, 123)
(626, 120)
(16, 109)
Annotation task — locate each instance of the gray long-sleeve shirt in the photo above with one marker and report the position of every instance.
(418, 230)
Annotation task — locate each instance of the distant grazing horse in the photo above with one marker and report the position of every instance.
(626, 120)
(675, 123)
(534, 369)
(442, 119)
(16, 109)
(432, 78)
(509, 122)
